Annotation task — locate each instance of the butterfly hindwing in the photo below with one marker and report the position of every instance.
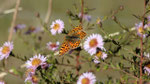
(64, 48)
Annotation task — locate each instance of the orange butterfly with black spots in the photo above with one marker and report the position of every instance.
(72, 40)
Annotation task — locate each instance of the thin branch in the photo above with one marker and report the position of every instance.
(115, 68)
(82, 11)
(13, 20)
(141, 60)
(114, 34)
(11, 30)
(130, 51)
(120, 70)
(141, 41)
(48, 12)
(77, 62)
(78, 54)
(67, 65)
(10, 11)
(118, 33)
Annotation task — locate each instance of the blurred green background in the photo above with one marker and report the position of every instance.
(59, 8)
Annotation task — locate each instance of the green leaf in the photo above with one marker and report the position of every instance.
(118, 65)
(15, 71)
(105, 18)
(105, 67)
(112, 65)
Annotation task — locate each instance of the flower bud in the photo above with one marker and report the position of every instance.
(121, 7)
(99, 22)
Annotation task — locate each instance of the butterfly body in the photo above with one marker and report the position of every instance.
(72, 40)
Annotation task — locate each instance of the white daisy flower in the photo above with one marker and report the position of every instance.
(57, 26)
(36, 61)
(5, 50)
(53, 46)
(87, 78)
(92, 42)
(141, 29)
(85, 17)
(99, 55)
(147, 69)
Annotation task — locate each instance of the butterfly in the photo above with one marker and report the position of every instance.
(72, 40)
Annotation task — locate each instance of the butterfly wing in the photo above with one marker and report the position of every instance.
(75, 44)
(76, 29)
(81, 34)
(64, 48)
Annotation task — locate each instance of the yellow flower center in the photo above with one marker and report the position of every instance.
(148, 65)
(93, 43)
(98, 20)
(34, 79)
(36, 62)
(99, 54)
(148, 28)
(85, 81)
(5, 49)
(56, 26)
(141, 30)
(53, 45)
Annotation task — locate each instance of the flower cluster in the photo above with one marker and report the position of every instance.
(71, 48)
(94, 45)
(91, 44)
(32, 64)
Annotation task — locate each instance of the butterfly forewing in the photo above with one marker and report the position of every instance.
(76, 29)
(81, 34)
